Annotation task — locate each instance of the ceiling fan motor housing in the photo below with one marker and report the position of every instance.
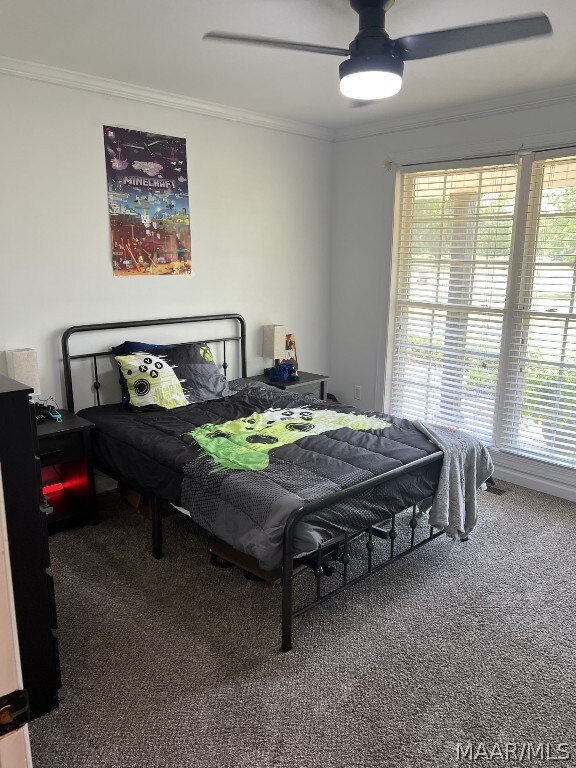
(372, 49)
(379, 62)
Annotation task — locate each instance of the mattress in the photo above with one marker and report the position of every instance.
(155, 452)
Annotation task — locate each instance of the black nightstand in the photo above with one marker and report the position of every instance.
(309, 384)
(65, 454)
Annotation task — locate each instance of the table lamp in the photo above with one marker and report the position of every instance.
(274, 342)
(22, 365)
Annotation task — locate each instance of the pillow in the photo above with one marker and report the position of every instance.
(127, 348)
(200, 376)
(172, 376)
(150, 380)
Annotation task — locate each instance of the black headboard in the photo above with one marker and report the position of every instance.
(240, 339)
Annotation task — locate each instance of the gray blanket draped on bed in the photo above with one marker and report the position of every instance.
(466, 466)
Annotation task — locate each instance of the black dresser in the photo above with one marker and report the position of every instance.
(28, 544)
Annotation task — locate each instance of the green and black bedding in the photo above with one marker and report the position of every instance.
(240, 464)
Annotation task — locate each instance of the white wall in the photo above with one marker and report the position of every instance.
(260, 219)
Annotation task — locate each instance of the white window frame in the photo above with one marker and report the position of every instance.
(527, 471)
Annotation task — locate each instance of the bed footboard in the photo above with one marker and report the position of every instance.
(334, 554)
(338, 551)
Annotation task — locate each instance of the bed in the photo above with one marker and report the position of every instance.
(337, 491)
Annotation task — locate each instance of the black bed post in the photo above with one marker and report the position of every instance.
(67, 369)
(288, 577)
(156, 527)
(242, 324)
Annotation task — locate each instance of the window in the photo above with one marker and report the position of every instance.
(484, 329)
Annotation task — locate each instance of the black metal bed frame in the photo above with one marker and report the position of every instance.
(327, 553)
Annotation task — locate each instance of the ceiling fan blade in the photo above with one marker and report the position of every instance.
(473, 36)
(272, 42)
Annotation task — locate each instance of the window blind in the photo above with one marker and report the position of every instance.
(484, 328)
(453, 258)
(539, 410)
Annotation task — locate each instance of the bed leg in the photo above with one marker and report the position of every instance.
(287, 608)
(287, 585)
(156, 529)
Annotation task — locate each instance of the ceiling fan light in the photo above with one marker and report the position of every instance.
(370, 85)
(371, 77)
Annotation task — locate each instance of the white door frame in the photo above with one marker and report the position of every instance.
(14, 747)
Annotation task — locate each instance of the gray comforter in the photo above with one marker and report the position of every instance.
(248, 509)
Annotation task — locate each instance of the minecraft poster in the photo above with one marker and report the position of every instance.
(147, 203)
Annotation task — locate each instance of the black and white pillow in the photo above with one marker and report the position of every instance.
(200, 377)
(171, 377)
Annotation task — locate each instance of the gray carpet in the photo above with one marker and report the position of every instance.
(175, 663)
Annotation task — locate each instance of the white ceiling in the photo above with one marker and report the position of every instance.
(159, 45)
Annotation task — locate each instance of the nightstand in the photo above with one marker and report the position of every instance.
(65, 454)
(309, 384)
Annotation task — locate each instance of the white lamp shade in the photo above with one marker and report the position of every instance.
(22, 366)
(274, 342)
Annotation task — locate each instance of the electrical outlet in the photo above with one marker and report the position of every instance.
(357, 392)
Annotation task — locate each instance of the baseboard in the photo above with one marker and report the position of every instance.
(536, 475)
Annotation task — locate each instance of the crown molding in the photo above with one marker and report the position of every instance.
(499, 106)
(29, 70)
(496, 150)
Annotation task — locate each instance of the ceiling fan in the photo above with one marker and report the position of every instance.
(374, 63)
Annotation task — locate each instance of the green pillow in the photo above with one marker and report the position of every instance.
(151, 381)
